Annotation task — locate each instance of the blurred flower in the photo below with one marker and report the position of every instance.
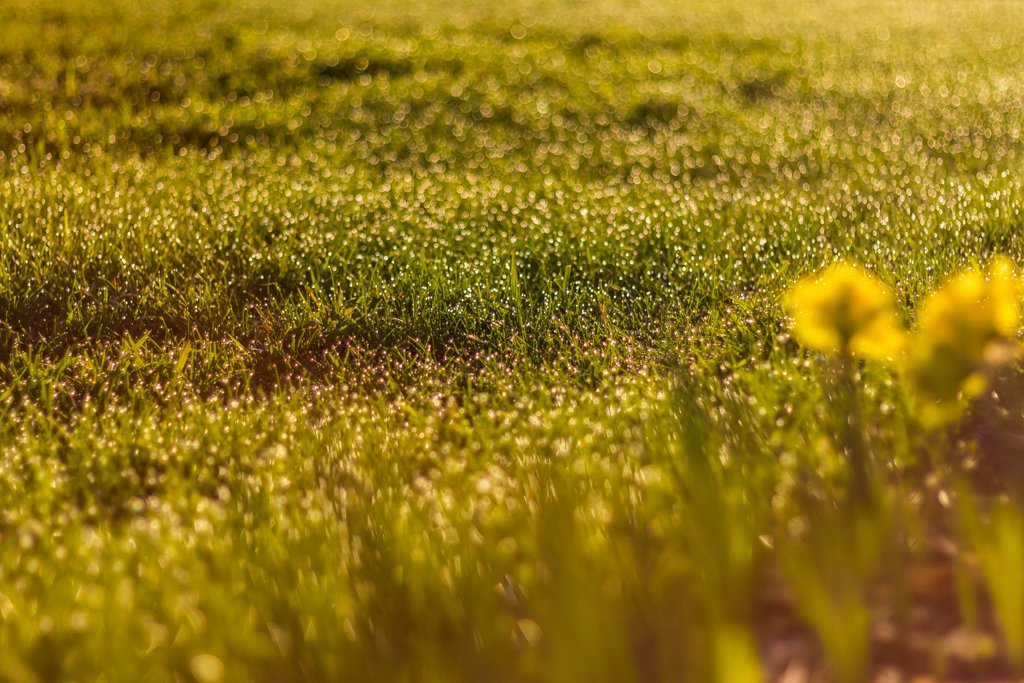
(844, 310)
(965, 330)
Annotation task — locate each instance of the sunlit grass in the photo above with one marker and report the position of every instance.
(367, 341)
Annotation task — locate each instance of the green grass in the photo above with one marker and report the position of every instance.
(348, 340)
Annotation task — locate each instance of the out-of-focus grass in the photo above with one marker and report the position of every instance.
(351, 340)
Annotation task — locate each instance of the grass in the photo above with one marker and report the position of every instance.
(353, 340)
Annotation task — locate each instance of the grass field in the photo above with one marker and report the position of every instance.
(357, 340)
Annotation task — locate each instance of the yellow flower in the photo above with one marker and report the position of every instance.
(972, 309)
(965, 330)
(844, 310)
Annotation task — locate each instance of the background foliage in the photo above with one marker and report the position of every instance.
(361, 340)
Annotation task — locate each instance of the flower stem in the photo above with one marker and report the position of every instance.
(853, 441)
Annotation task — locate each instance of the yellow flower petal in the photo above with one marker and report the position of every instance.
(844, 310)
(965, 330)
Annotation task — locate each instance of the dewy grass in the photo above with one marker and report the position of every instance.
(356, 340)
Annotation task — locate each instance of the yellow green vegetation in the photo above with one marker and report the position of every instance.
(371, 340)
